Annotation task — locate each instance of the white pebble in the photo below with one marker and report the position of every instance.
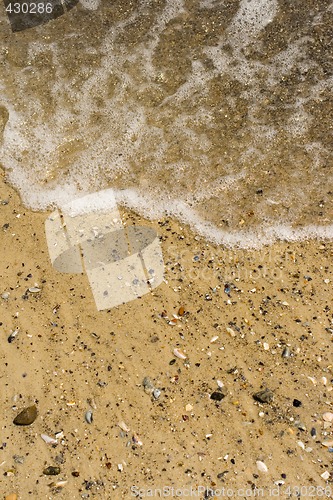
(325, 475)
(301, 444)
(262, 467)
(266, 346)
(214, 339)
(328, 416)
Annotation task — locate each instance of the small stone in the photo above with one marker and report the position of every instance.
(51, 471)
(325, 475)
(27, 416)
(313, 432)
(297, 403)
(265, 396)
(286, 352)
(156, 393)
(188, 407)
(217, 396)
(328, 416)
(12, 496)
(261, 466)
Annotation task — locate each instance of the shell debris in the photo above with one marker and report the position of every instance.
(179, 354)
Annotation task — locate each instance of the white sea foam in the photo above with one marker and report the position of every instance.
(189, 128)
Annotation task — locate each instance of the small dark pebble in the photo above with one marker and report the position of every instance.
(265, 396)
(297, 403)
(27, 416)
(313, 432)
(51, 471)
(172, 362)
(217, 396)
(75, 473)
(222, 474)
(283, 475)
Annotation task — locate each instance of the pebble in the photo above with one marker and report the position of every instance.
(51, 471)
(328, 416)
(12, 496)
(217, 396)
(34, 289)
(5, 295)
(148, 385)
(188, 407)
(26, 416)
(18, 459)
(261, 466)
(156, 393)
(325, 475)
(297, 403)
(12, 336)
(48, 439)
(265, 396)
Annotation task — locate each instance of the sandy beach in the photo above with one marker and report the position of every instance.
(245, 321)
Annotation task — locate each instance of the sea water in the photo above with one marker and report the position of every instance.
(216, 112)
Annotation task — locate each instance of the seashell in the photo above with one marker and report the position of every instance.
(27, 416)
(89, 417)
(123, 426)
(261, 466)
(328, 416)
(231, 332)
(179, 354)
(34, 289)
(51, 471)
(328, 443)
(48, 439)
(214, 339)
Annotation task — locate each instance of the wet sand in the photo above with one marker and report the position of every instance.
(237, 313)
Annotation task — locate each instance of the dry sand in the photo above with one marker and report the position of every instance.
(68, 358)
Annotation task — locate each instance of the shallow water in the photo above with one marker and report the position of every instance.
(217, 112)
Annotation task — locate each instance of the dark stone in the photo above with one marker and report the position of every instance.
(297, 403)
(217, 396)
(265, 396)
(51, 471)
(27, 416)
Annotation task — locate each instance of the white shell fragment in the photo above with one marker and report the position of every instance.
(328, 416)
(48, 439)
(214, 339)
(34, 289)
(261, 466)
(231, 332)
(179, 354)
(325, 475)
(123, 426)
(136, 440)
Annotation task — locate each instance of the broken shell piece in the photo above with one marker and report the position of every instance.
(48, 439)
(214, 339)
(328, 443)
(179, 354)
(123, 426)
(34, 289)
